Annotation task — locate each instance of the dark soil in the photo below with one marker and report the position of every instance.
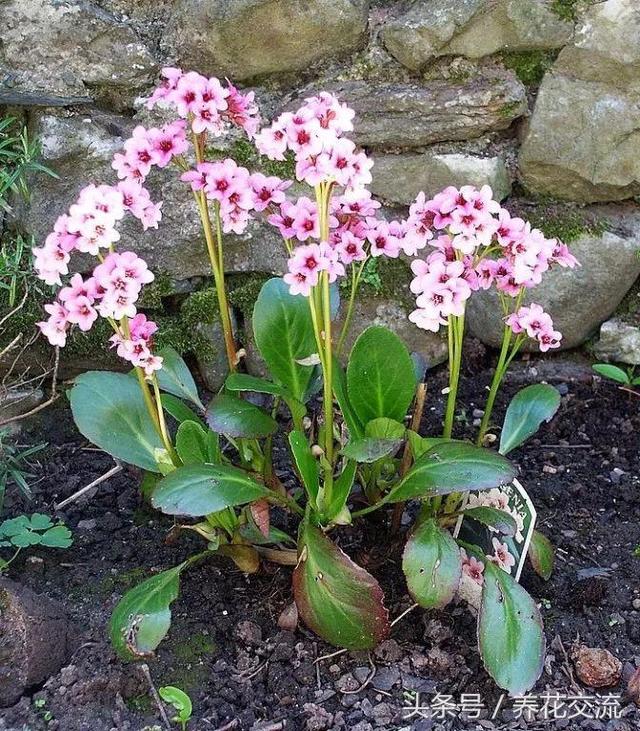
(225, 649)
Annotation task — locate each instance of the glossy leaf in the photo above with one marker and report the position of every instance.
(370, 449)
(493, 518)
(198, 490)
(284, 335)
(109, 410)
(336, 598)
(197, 445)
(510, 633)
(453, 467)
(236, 417)
(306, 463)
(178, 409)
(179, 700)
(245, 382)
(142, 617)
(432, 565)
(381, 379)
(341, 490)
(419, 445)
(175, 378)
(527, 410)
(612, 372)
(384, 428)
(541, 555)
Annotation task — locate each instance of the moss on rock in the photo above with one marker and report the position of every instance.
(529, 66)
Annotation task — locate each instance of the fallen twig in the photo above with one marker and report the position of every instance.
(98, 481)
(154, 693)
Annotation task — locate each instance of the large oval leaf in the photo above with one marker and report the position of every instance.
(453, 467)
(381, 379)
(236, 417)
(198, 490)
(510, 632)
(527, 410)
(174, 377)
(196, 445)
(109, 410)
(142, 617)
(432, 565)
(284, 335)
(370, 449)
(541, 555)
(245, 382)
(493, 518)
(336, 598)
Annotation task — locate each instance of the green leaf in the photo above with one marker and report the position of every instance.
(39, 521)
(419, 445)
(336, 598)
(142, 617)
(527, 410)
(432, 565)
(341, 489)
(384, 428)
(493, 518)
(109, 410)
(198, 490)
(541, 555)
(14, 526)
(179, 410)
(380, 376)
(453, 467)
(510, 633)
(306, 463)
(197, 445)
(354, 425)
(174, 377)
(179, 700)
(244, 382)
(236, 417)
(284, 335)
(57, 537)
(370, 449)
(612, 372)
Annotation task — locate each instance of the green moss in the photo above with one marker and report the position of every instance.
(152, 295)
(567, 9)
(244, 290)
(529, 66)
(508, 110)
(194, 647)
(140, 703)
(565, 224)
(200, 307)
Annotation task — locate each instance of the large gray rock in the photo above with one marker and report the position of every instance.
(579, 299)
(399, 178)
(606, 46)
(72, 49)
(582, 141)
(246, 38)
(619, 342)
(583, 138)
(473, 28)
(408, 115)
(80, 149)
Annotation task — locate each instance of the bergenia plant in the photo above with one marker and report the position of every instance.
(354, 452)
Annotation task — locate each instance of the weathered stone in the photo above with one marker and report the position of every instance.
(619, 341)
(596, 667)
(582, 141)
(213, 367)
(416, 114)
(80, 149)
(72, 48)
(34, 640)
(14, 402)
(399, 178)
(583, 137)
(473, 28)
(579, 299)
(247, 38)
(606, 46)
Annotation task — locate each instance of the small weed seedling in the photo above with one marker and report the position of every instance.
(626, 378)
(180, 701)
(35, 530)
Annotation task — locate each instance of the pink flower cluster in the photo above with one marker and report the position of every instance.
(536, 324)
(477, 244)
(207, 104)
(314, 134)
(306, 264)
(236, 191)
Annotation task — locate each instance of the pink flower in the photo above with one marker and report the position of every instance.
(50, 262)
(305, 219)
(501, 556)
(171, 77)
(384, 237)
(168, 142)
(267, 190)
(272, 141)
(242, 110)
(285, 219)
(55, 328)
(473, 568)
(350, 248)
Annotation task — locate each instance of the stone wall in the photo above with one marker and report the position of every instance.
(538, 98)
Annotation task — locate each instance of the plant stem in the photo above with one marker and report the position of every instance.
(164, 432)
(455, 337)
(328, 388)
(355, 283)
(498, 375)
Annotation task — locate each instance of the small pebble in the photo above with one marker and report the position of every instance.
(636, 604)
